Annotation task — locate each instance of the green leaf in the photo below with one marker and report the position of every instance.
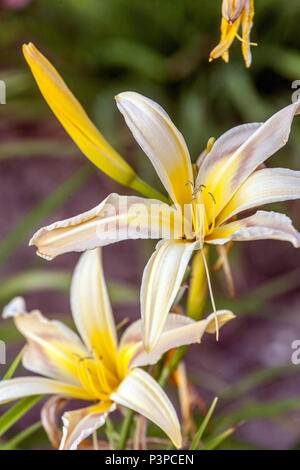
(203, 425)
(253, 410)
(38, 279)
(16, 440)
(112, 436)
(254, 379)
(32, 281)
(37, 147)
(213, 443)
(16, 412)
(13, 366)
(41, 210)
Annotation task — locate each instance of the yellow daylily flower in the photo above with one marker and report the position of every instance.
(234, 14)
(95, 366)
(204, 204)
(78, 125)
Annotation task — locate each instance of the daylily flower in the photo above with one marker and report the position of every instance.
(234, 14)
(204, 200)
(226, 185)
(96, 367)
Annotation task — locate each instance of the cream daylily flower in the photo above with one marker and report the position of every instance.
(234, 14)
(226, 185)
(95, 367)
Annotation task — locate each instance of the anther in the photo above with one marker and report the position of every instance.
(211, 195)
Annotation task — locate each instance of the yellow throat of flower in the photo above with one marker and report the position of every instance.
(100, 376)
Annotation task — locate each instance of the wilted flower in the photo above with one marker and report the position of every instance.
(234, 14)
(96, 367)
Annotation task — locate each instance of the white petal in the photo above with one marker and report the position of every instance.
(162, 277)
(231, 170)
(222, 149)
(262, 225)
(161, 141)
(179, 330)
(90, 305)
(80, 424)
(140, 392)
(116, 218)
(20, 387)
(52, 346)
(231, 9)
(263, 187)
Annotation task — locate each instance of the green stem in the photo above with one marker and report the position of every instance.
(172, 366)
(144, 188)
(125, 429)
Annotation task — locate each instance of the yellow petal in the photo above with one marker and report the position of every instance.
(247, 23)
(91, 307)
(262, 225)
(162, 277)
(161, 141)
(51, 348)
(228, 32)
(263, 187)
(231, 9)
(74, 119)
(114, 219)
(141, 393)
(79, 424)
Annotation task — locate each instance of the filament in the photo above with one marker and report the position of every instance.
(211, 228)
(211, 294)
(244, 40)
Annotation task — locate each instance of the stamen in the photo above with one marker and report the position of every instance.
(212, 226)
(200, 188)
(212, 196)
(92, 383)
(211, 294)
(210, 144)
(244, 40)
(122, 323)
(101, 375)
(86, 379)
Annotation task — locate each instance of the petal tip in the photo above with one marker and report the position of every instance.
(15, 307)
(123, 94)
(44, 256)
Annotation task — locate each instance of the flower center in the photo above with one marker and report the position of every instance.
(203, 212)
(99, 380)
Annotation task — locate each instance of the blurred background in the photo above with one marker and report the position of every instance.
(161, 49)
